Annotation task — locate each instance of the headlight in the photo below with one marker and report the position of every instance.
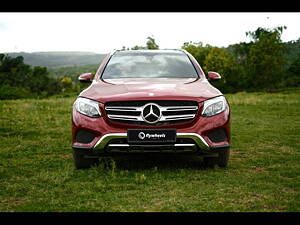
(87, 107)
(214, 106)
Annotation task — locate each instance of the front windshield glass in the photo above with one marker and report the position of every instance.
(149, 65)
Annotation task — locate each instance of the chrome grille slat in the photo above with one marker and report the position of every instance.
(134, 113)
(179, 108)
(123, 108)
(125, 117)
(177, 117)
(169, 108)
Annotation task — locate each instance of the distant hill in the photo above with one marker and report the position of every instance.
(72, 71)
(59, 59)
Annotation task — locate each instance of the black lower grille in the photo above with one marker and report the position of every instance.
(217, 135)
(84, 136)
(178, 141)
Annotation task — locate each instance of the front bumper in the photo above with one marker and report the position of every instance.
(104, 144)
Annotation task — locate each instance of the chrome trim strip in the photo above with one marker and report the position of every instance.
(177, 117)
(162, 108)
(163, 118)
(123, 108)
(184, 145)
(118, 145)
(175, 145)
(199, 140)
(178, 108)
(106, 138)
(125, 117)
(196, 137)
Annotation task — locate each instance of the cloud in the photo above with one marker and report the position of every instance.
(103, 32)
(2, 26)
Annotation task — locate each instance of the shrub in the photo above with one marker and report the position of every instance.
(8, 92)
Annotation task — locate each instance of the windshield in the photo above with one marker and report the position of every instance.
(149, 65)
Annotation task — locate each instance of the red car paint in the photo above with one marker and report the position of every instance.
(161, 89)
(196, 89)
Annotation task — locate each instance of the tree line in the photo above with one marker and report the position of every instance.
(262, 64)
(19, 80)
(265, 63)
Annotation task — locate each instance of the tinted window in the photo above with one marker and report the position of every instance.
(149, 64)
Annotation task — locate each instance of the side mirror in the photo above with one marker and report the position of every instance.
(86, 78)
(213, 76)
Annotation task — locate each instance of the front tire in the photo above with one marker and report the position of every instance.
(81, 162)
(209, 162)
(221, 160)
(223, 157)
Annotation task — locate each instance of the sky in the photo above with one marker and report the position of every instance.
(104, 32)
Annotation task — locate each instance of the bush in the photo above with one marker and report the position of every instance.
(19, 80)
(8, 92)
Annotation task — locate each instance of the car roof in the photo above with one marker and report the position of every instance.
(180, 51)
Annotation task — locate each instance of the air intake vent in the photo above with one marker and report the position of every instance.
(84, 136)
(217, 135)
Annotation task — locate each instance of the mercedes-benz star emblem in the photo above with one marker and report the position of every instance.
(151, 113)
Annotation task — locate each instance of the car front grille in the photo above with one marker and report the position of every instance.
(171, 112)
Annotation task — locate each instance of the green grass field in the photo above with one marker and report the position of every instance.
(37, 172)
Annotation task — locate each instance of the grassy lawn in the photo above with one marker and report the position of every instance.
(37, 172)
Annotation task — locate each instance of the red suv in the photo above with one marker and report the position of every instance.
(150, 101)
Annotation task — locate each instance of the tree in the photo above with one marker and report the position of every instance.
(265, 62)
(138, 47)
(124, 48)
(263, 32)
(39, 79)
(15, 76)
(197, 49)
(240, 51)
(66, 83)
(151, 43)
(222, 61)
(293, 75)
(13, 71)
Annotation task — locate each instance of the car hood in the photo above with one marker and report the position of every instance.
(150, 89)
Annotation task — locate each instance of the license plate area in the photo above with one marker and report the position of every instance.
(151, 136)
